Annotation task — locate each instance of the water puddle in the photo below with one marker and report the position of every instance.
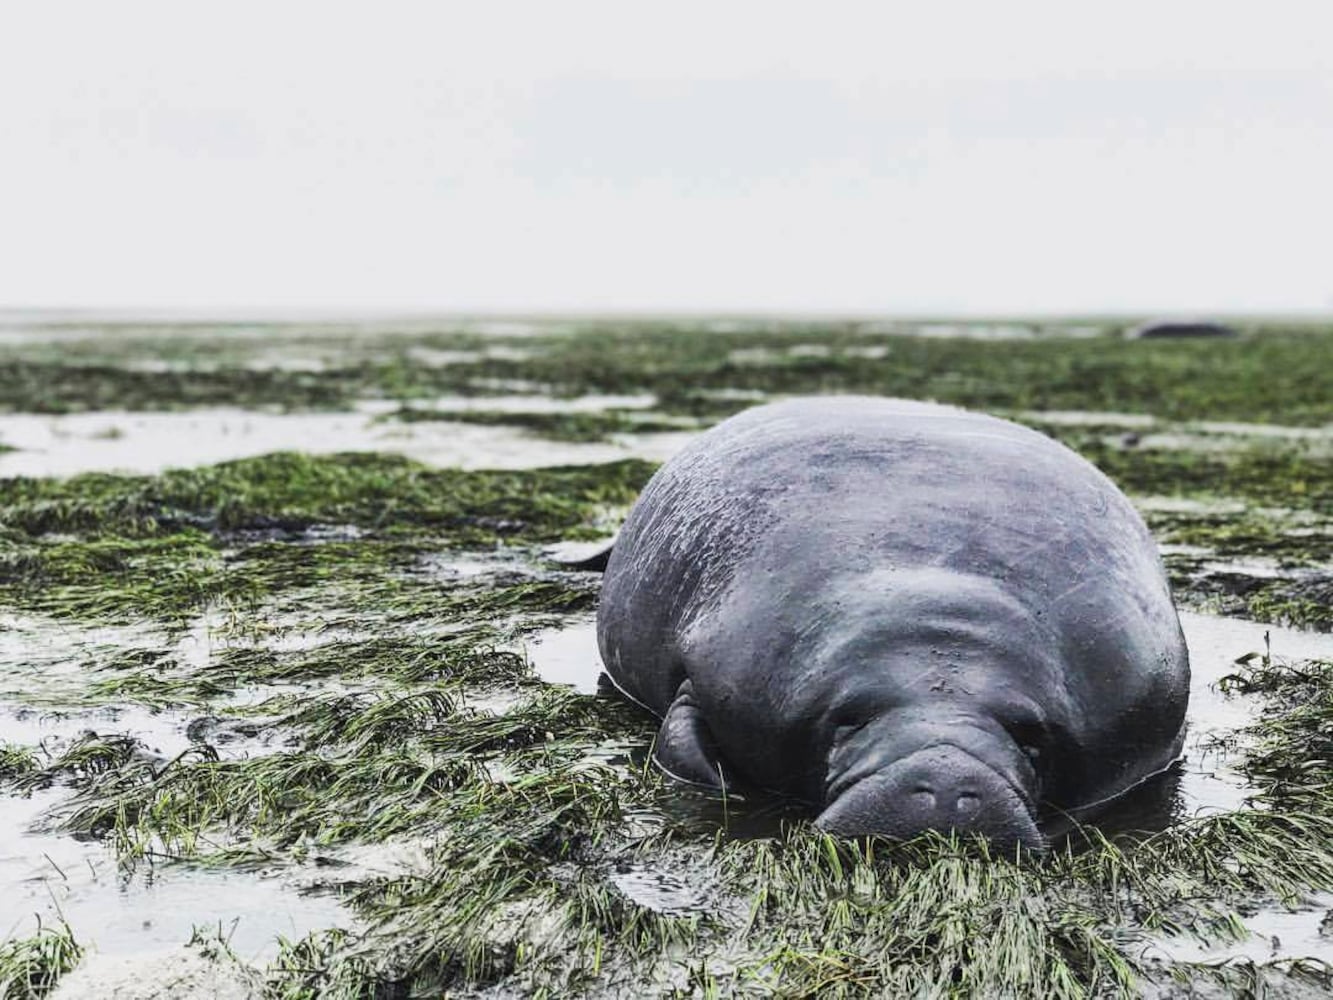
(49, 876)
(1089, 418)
(975, 331)
(658, 890)
(1209, 779)
(535, 404)
(1188, 505)
(46, 876)
(1259, 568)
(1185, 441)
(1214, 438)
(453, 569)
(567, 655)
(44, 661)
(1193, 435)
(874, 352)
(1283, 432)
(146, 443)
(162, 735)
(754, 356)
(432, 357)
(1275, 933)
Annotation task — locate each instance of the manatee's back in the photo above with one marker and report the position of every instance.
(695, 521)
(815, 488)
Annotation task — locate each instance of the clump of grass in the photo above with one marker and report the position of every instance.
(289, 492)
(1299, 601)
(168, 577)
(168, 547)
(704, 406)
(16, 761)
(31, 967)
(1291, 541)
(90, 757)
(1280, 476)
(1296, 603)
(470, 656)
(371, 767)
(495, 878)
(1289, 753)
(321, 966)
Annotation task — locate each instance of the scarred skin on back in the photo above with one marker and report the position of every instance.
(910, 616)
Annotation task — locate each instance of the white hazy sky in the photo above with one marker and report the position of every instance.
(995, 156)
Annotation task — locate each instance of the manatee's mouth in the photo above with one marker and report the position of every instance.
(853, 778)
(941, 787)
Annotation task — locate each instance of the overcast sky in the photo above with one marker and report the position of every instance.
(986, 157)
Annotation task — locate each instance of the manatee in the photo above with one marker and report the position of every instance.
(908, 615)
(1162, 329)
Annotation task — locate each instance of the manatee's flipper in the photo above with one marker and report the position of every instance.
(581, 555)
(685, 745)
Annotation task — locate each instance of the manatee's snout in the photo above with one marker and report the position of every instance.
(938, 788)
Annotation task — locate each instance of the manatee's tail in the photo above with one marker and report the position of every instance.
(591, 557)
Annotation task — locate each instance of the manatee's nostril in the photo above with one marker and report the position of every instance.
(923, 797)
(967, 804)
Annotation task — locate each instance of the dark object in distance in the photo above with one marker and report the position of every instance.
(911, 616)
(1165, 328)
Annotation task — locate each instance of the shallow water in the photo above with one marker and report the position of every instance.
(976, 331)
(1276, 932)
(661, 891)
(1209, 781)
(537, 404)
(143, 443)
(47, 876)
(1206, 780)
(1090, 418)
(568, 654)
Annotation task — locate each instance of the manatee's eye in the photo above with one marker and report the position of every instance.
(1029, 734)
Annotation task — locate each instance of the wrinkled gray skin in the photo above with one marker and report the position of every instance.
(912, 616)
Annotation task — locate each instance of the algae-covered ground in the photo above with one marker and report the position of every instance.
(300, 692)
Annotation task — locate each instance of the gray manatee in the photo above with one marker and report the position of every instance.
(908, 615)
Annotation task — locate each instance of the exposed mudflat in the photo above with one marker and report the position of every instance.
(293, 701)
